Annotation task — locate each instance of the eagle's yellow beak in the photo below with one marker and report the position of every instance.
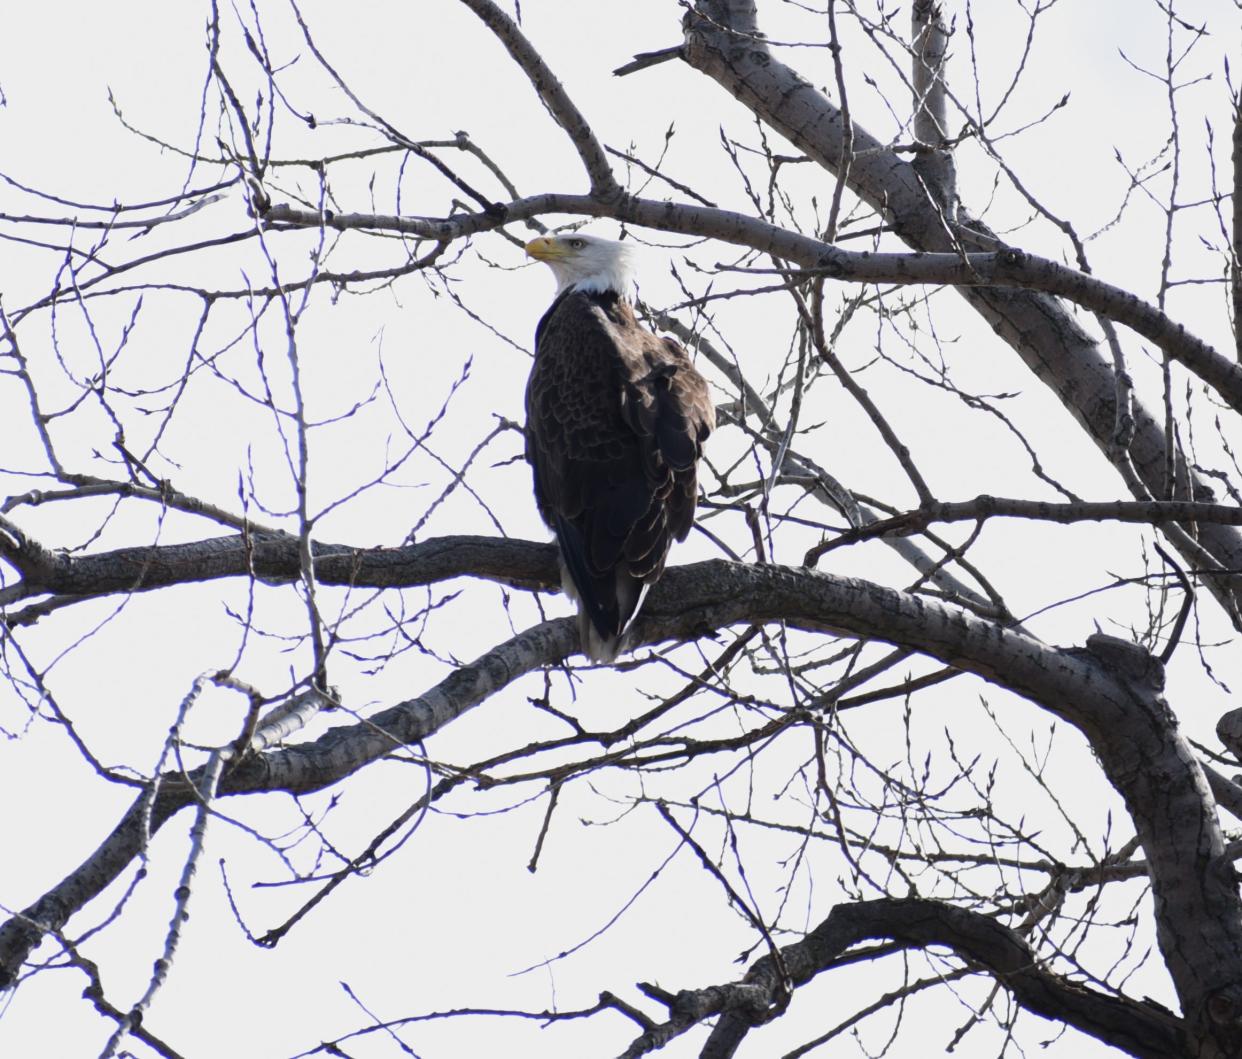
(543, 248)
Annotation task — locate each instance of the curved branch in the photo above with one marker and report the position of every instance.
(1016, 268)
(1139, 1029)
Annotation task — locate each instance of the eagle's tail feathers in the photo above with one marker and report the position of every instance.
(607, 604)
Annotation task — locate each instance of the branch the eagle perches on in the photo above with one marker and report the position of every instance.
(1115, 703)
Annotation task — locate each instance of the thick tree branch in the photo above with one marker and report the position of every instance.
(522, 564)
(1139, 1029)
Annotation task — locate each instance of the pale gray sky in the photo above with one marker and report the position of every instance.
(449, 919)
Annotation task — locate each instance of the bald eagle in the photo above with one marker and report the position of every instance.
(615, 423)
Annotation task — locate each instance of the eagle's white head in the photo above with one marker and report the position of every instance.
(585, 262)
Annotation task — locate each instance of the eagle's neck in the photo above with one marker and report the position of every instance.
(601, 283)
(615, 275)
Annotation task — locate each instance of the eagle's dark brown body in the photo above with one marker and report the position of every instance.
(615, 423)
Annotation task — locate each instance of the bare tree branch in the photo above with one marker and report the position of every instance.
(553, 95)
(1139, 1029)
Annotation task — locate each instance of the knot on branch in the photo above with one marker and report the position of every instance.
(1229, 732)
(612, 195)
(750, 1002)
(37, 565)
(1224, 1013)
(1011, 257)
(1127, 659)
(1225, 1005)
(829, 264)
(260, 202)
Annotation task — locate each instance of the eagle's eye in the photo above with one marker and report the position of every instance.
(577, 244)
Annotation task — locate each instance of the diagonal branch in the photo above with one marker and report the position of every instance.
(1145, 1029)
(298, 769)
(563, 110)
